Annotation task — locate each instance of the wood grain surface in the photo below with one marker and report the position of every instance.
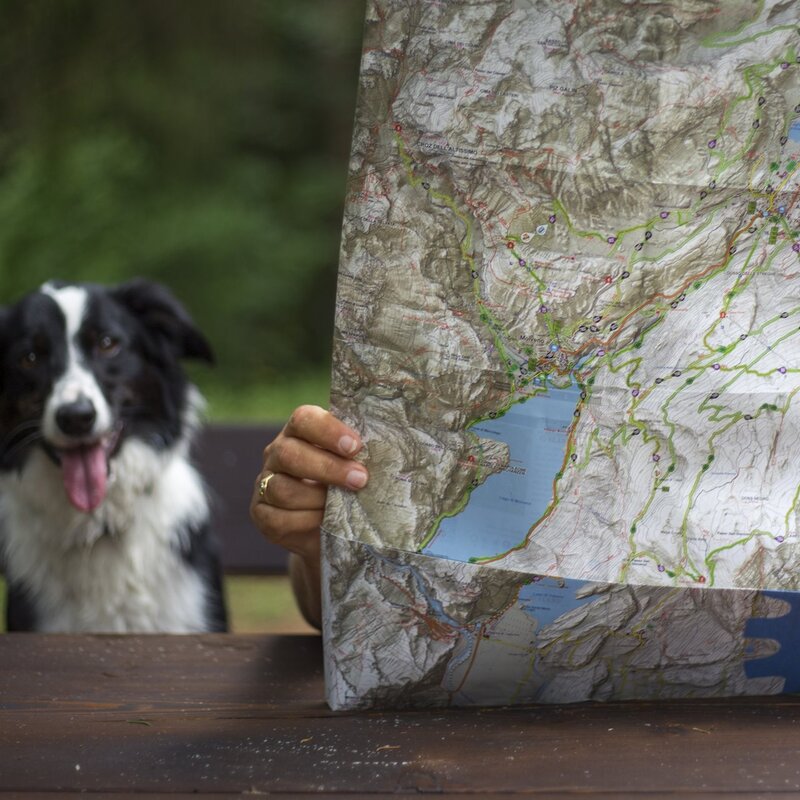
(231, 714)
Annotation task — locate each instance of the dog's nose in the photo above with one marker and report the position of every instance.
(76, 419)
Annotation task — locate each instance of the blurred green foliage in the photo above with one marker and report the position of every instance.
(201, 143)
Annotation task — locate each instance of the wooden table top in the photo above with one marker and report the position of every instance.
(229, 714)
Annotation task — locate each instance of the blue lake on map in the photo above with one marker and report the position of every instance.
(549, 599)
(794, 131)
(501, 511)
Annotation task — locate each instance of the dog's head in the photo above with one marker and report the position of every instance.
(82, 367)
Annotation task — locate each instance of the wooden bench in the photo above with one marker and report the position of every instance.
(230, 457)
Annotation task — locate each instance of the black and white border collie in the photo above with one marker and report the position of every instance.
(104, 522)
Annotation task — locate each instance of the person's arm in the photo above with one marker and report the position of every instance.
(313, 451)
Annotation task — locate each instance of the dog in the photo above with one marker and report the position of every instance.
(104, 521)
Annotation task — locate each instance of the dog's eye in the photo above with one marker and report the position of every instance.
(107, 345)
(29, 360)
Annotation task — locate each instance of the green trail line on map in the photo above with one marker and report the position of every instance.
(740, 285)
(685, 286)
(512, 358)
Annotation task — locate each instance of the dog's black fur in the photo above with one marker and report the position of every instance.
(95, 413)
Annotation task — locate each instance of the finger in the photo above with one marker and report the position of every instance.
(294, 494)
(297, 531)
(302, 460)
(319, 427)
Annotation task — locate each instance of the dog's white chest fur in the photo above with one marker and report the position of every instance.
(119, 568)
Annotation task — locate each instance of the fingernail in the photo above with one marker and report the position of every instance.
(348, 445)
(356, 478)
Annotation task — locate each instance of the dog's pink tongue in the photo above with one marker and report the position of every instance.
(85, 474)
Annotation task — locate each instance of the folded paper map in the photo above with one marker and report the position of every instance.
(568, 330)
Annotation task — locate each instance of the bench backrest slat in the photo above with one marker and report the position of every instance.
(229, 458)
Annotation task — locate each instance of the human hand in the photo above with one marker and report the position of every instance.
(313, 451)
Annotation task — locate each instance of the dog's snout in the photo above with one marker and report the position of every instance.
(77, 418)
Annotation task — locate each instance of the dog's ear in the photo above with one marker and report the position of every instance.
(161, 313)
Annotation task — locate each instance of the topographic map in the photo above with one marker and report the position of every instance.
(568, 329)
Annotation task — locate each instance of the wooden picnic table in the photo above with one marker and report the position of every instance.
(228, 714)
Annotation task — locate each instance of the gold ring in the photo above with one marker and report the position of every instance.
(262, 486)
